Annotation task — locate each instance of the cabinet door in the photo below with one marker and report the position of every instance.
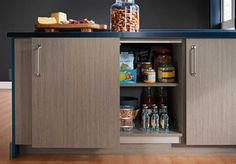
(76, 96)
(211, 92)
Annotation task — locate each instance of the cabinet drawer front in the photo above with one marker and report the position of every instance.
(211, 92)
(76, 96)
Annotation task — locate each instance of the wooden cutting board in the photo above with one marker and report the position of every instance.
(83, 27)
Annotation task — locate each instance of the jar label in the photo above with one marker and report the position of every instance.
(162, 74)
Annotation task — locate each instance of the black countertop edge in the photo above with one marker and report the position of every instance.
(147, 33)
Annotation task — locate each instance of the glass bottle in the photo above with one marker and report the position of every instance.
(145, 119)
(155, 119)
(147, 97)
(124, 16)
(161, 97)
(164, 119)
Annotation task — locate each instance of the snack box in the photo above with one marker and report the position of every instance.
(128, 76)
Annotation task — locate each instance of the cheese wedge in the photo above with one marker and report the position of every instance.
(60, 17)
(47, 20)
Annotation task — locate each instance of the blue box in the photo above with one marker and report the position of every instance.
(128, 76)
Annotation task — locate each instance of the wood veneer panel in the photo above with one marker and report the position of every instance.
(23, 84)
(211, 94)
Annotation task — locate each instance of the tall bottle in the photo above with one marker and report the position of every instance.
(155, 119)
(161, 97)
(147, 97)
(145, 119)
(164, 119)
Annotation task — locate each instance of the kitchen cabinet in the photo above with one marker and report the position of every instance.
(66, 93)
(211, 92)
(75, 92)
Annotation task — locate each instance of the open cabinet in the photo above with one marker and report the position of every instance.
(175, 93)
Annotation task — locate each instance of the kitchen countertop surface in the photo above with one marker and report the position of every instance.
(145, 33)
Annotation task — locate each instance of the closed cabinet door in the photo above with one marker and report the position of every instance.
(75, 92)
(211, 92)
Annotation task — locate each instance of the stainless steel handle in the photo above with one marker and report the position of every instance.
(193, 60)
(37, 62)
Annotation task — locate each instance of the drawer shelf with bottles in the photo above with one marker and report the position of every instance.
(156, 97)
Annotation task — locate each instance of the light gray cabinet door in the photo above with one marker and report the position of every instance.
(211, 92)
(76, 94)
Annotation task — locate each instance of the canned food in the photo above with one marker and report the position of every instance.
(149, 76)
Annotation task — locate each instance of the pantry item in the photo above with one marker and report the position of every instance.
(47, 20)
(162, 55)
(146, 65)
(60, 17)
(145, 121)
(147, 97)
(129, 101)
(126, 122)
(126, 128)
(127, 111)
(149, 76)
(126, 60)
(128, 76)
(161, 96)
(155, 119)
(166, 73)
(164, 119)
(124, 16)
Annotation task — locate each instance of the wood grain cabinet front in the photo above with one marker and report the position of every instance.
(211, 92)
(75, 92)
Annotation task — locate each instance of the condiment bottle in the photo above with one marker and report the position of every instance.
(161, 97)
(164, 119)
(147, 97)
(155, 119)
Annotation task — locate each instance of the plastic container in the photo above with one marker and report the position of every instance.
(124, 16)
(127, 112)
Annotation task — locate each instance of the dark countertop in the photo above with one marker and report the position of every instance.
(147, 33)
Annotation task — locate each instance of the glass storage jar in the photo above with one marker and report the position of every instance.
(124, 16)
(162, 55)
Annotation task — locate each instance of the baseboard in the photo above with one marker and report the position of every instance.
(5, 85)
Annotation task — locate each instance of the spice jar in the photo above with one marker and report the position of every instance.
(124, 16)
(162, 55)
(149, 76)
(166, 73)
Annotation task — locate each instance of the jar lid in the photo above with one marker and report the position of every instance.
(162, 50)
(126, 107)
(149, 70)
(146, 63)
(125, 1)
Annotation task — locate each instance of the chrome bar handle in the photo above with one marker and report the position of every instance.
(37, 63)
(193, 60)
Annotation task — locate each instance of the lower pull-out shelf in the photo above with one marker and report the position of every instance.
(140, 136)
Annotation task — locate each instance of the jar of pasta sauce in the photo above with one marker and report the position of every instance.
(149, 76)
(166, 73)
